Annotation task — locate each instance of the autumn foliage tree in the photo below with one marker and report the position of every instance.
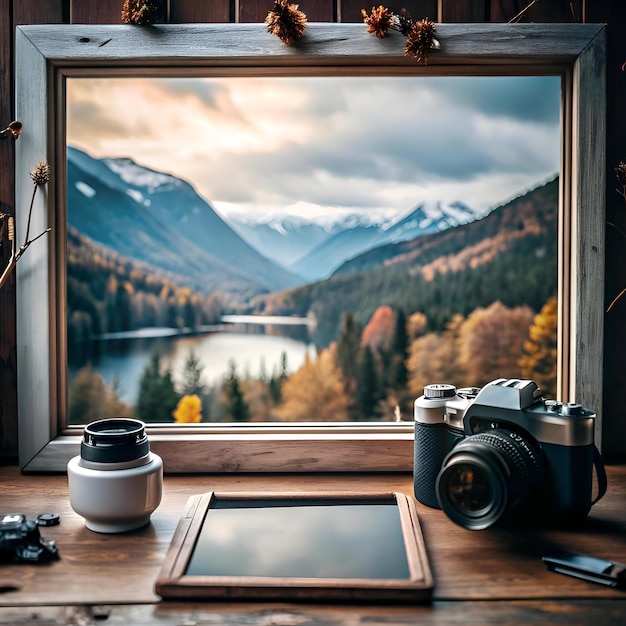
(538, 361)
(316, 392)
(433, 358)
(188, 410)
(378, 334)
(90, 399)
(471, 351)
(491, 341)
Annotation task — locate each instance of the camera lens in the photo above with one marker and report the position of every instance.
(114, 440)
(486, 475)
(470, 488)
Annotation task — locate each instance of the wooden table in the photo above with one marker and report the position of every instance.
(493, 576)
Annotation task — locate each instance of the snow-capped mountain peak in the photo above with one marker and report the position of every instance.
(139, 176)
(313, 248)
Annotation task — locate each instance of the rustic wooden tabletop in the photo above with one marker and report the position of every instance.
(491, 576)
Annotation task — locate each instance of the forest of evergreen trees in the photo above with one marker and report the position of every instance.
(108, 294)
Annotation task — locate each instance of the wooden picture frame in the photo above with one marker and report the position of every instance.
(414, 585)
(47, 54)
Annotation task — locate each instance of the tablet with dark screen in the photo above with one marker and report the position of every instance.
(272, 546)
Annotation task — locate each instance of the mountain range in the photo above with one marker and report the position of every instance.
(509, 255)
(159, 219)
(314, 250)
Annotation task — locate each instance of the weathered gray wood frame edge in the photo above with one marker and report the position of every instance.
(577, 51)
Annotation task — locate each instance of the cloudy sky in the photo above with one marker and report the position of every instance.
(319, 146)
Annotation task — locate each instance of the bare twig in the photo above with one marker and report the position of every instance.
(616, 299)
(617, 228)
(520, 15)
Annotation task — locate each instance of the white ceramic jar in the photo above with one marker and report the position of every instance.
(116, 481)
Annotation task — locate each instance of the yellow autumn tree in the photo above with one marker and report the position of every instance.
(188, 410)
(538, 361)
(316, 392)
(416, 325)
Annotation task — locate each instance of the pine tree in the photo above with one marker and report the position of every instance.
(235, 406)
(368, 385)
(157, 397)
(192, 384)
(397, 372)
(348, 345)
(192, 376)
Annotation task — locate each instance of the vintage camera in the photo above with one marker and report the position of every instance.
(20, 540)
(504, 451)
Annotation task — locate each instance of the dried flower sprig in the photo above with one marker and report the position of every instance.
(403, 22)
(40, 176)
(620, 173)
(421, 41)
(379, 21)
(139, 12)
(14, 129)
(286, 21)
(420, 35)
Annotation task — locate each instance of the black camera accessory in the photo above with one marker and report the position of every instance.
(48, 519)
(591, 568)
(114, 440)
(20, 540)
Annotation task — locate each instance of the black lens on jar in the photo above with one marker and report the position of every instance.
(114, 440)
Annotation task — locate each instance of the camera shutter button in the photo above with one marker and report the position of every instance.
(571, 409)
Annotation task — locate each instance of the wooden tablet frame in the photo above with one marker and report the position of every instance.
(173, 583)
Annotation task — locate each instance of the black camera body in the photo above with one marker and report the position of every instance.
(20, 541)
(491, 453)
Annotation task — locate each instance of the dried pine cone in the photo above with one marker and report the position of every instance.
(139, 12)
(286, 21)
(379, 21)
(620, 172)
(421, 41)
(41, 174)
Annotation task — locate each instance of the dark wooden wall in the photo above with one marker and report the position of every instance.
(612, 12)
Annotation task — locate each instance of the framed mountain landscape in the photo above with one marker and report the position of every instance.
(286, 235)
(253, 248)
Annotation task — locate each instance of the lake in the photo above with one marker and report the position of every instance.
(255, 348)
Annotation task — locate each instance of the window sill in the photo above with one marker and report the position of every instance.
(195, 452)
